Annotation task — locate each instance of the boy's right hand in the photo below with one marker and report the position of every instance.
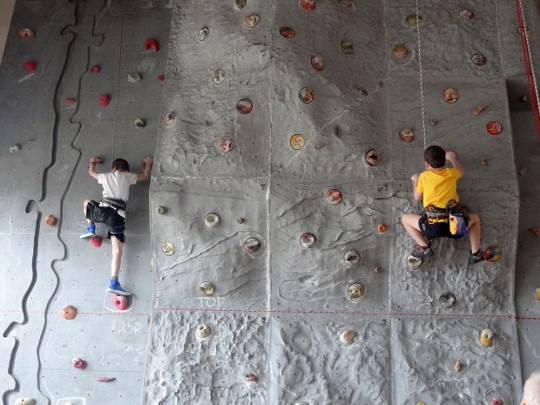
(96, 159)
(451, 155)
(415, 177)
(148, 161)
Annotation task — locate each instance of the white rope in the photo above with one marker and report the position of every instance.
(421, 74)
(525, 32)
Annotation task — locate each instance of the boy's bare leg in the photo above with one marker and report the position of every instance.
(85, 205)
(116, 257)
(410, 222)
(474, 232)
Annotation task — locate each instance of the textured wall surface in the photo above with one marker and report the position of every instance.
(267, 328)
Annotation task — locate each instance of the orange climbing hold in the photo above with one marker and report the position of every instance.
(151, 43)
(68, 312)
(50, 220)
(535, 231)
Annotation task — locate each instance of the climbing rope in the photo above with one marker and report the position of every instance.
(118, 80)
(421, 74)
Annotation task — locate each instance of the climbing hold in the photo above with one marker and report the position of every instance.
(161, 210)
(244, 106)
(494, 128)
(346, 3)
(382, 228)
(287, 32)
(347, 337)
(203, 331)
(308, 240)
(355, 290)
(249, 377)
(537, 294)
(218, 76)
(225, 144)
(346, 47)
(413, 262)
(360, 90)
(151, 43)
(26, 33)
(95, 69)
(483, 161)
(317, 63)
(334, 196)
(373, 157)
(70, 101)
(319, 146)
(207, 288)
(433, 122)
(104, 100)
(50, 220)
(252, 245)
(535, 231)
(497, 401)
(68, 312)
(478, 59)
(450, 95)
(378, 269)
(458, 366)
(240, 4)
(134, 77)
(14, 148)
(251, 20)
(30, 66)
(486, 338)
(351, 257)
(400, 52)
(306, 95)
(413, 19)
(468, 14)
(25, 401)
(240, 220)
(523, 98)
(297, 142)
(479, 110)
(167, 248)
(407, 135)
(447, 300)
(96, 241)
(169, 119)
(203, 33)
(120, 302)
(212, 220)
(161, 78)
(308, 5)
(493, 253)
(106, 379)
(79, 363)
(139, 123)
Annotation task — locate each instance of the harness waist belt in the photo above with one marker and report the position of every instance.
(114, 203)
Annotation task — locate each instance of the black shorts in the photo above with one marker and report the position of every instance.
(109, 217)
(436, 230)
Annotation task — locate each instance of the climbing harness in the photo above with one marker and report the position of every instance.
(114, 203)
(455, 214)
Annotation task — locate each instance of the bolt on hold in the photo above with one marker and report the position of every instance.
(79, 363)
(347, 337)
(169, 119)
(30, 66)
(308, 240)
(207, 288)
(212, 220)
(450, 95)
(308, 5)
(355, 290)
(351, 257)
(486, 338)
(203, 331)
(104, 100)
(334, 196)
(68, 312)
(151, 43)
(134, 77)
(50, 220)
(251, 20)
(373, 157)
(26, 33)
(203, 33)
(140, 123)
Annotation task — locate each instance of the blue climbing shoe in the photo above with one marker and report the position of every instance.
(90, 232)
(115, 287)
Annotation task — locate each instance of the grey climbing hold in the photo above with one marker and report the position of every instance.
(413, 263)
(203, 33)
(140, 123)
(203, 331)
(167, 248)
(212, 220)
(308, 240)
(355, 290)
(252, 245)
(207, 288)
(351, 257)
(447, 300)
(347, 337)
(240, 4)
(218, 76)
(162, 210)
(134, 77)
(25, 401)
(14, 148)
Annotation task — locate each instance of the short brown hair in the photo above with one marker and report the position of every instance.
(435, 156)
(121, 165)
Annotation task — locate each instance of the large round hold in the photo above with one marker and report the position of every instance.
(450, 95)
(207, 288)
(203, 331)
(244, 106)
(167, 248)
(486, 338)
(297, 141)
(351, 257)
(407, 135)
(306, 95)
(225, 144)
(212, 220)
(347, 337)
(447, 300)
(308, 240)
(355, 290)
(334, 196)
(252, 245)
(68, 312)
(373, 157)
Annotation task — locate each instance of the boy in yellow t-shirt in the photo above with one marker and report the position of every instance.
(437, 187)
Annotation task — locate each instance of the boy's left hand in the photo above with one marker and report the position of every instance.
(148, 161)
(450, 154)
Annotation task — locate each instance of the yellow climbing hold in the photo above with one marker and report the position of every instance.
(486, 338)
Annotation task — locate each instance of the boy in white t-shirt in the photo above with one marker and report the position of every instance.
(112, 209)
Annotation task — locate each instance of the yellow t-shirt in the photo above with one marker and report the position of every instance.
(439, 187)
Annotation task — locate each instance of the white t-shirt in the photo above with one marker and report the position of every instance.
(116, 184)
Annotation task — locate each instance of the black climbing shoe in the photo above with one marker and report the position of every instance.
(478, 257)
(422, 251)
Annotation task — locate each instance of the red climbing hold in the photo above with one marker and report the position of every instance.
(308, 5)
(106, 379)
(151, 43)
(95, 69)
(96, 241)
(79, 363)
(104, 100)
(120, 302)
(494, 128)
(70, 101)
(161, 78)
(30, 66)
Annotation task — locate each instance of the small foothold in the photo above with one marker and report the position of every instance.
(356, 290)
(479, 110)
(152, 44)
(407, 135)
(167, 248)
(535, 231)
(319, 146)
(458, 366)
(96, 241)
(497, 401)
(447, 300)
(351, 257)
(79, 363)
(225, 144)
(251, 20)
(287, 32)
(468, 14)
(523, 99)
(478, 59)
(373, 157)
(537, 294)
(120, 302)
(25, 401)
(169, 119)
(161, 210)
(70, 101)
(207, 288)
(161, 78)
(95, 69)
(30, 66)
(104, 100)
(493, 253)
(483, 161)
(306, 95)
(134, 77)
(240, 220)
(252, 245)
(26, 33)
(361, 90)
(106, 379)
(433, 122)
(203, 33)
(249, 377)
(317, 63)
(308, 5)
(450, 95)
(347, 337)
(494, 128)
(139, 123)
(346, 3)
(297, 141)
(334, 196)
(413, 19)
(14, 148)
(400, 52)
(413, 262)
(382, 228)
(486, 338)
(240, 4)
(244, 106)
(68, 312)
(51, 220)
(212, 220)
(378, 269)
(347, 48)
(203, 331)
(218, 76)
(308, 240)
